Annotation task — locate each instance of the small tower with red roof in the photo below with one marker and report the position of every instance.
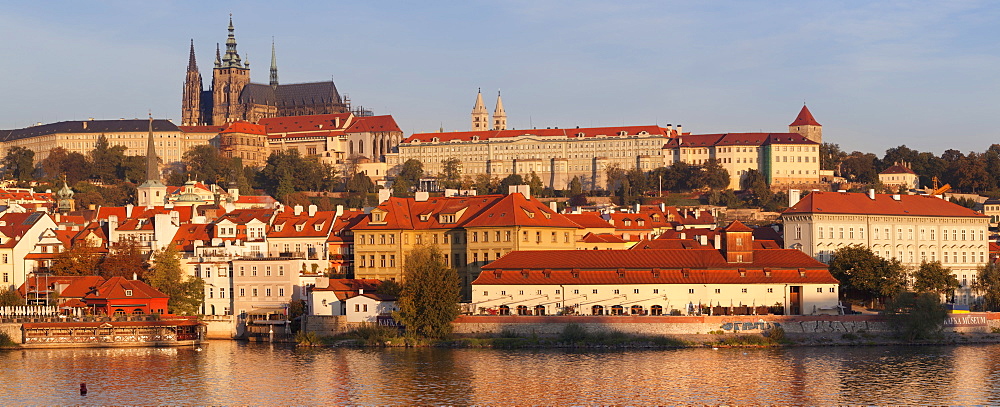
(806, 125)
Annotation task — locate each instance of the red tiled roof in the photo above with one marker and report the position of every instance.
(538, 276)
(898, 169)
(307, 123)
(141, 212)
(114, 288)
(255, 199)
(805, 118)
(576, 132)
(76, 286)
(588, 220)
(737, 139)
(737, 226)
(287, 222)
(373, 124)
(245, 128)
(643, 259)
(187, 234)
(661, 244)
(883, 204)
(601, 238)
(476, 211)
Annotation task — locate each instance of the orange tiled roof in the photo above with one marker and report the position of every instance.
(648, 259)
(601, 238)
(883, 204)
(588, 220)
(805, 118)
(245, 128)
(307, 123)
(537, 276)
(373, 124)
(898, 169)
(114, 288)
(476, 211)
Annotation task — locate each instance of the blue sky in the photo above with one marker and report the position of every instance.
(876, 75)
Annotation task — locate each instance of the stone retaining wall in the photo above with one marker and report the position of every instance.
(325, 325)
(219, 326)
(695, 325)
(13, 331)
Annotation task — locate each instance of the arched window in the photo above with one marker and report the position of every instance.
(504, 310)
(637, 310)
(350, 149)
(656, 310)
(523, 310)
(137, 311)
(539, 310)
(597, 310)
(617, 310)
(119, 312)
(361, 147)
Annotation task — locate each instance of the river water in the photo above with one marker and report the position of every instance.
(235, 373)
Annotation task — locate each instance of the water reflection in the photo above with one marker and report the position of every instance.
(261, 374)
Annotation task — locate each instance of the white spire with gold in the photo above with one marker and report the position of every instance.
(499, 115)
(480, 118)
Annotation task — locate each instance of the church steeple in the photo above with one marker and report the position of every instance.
(274, 67)
(480, 118)
(232, 58)
(218, 59)
(499, 115)
(151, 192)
(192, 64)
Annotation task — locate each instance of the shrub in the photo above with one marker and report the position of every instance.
(304, 338)
(5, 340)
(776, 334)
(375, 334)
(916, 315)
(573, 333)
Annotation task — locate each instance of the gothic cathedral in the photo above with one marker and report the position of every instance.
(233, 97)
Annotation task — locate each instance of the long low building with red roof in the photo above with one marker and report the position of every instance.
(731, 277)
(910, 228)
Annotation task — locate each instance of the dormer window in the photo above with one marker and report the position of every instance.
(435, 139)
(298, 228)
(640, 222)
(743, 273)
(277, 228)
(318, 227)
(621, 274)
(424, 217)
(128, 293)
(446, 218)
(628, 222)
(378, 217)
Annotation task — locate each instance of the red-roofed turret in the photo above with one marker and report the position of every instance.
(806, 125)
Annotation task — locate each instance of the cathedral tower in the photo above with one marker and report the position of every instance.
(274, 67)
(807, 126)
(228, 79)
(480, 118)
(499, 115)
(191, 105)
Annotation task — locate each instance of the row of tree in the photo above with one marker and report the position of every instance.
(975, 172)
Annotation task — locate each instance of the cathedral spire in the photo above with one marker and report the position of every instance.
(218, 59)
(192, 64)
(480, 119)
(499, 115)
(232, 58)
(274, 66)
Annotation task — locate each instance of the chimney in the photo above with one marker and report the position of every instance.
(871, 194)
(718, 241)
(663, 207)
(361, 291)
(384, 194)
(683, 235)
(703, 239)
(421, 196)
(896, 197)
(793, 197)
(680, 129)
(523, 189)
(297, 210)
(312, 210)
(448, 193)
(841, 190)
(340, 211)
(553, 206)
(128, 210)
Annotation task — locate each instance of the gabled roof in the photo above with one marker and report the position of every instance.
(475, 211)
(737, 226)
(805, 118)
(288, 220)
(589, 220)
(76, 286)
(737, 139)
(245, 128)
(897, 169)
(566, 133)
(115, 288)
(601, 238)
(366, 124)
(187, 234)
(244, 216)
(345, 222)
(649, 259)
(883, 204)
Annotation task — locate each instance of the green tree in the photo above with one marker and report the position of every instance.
(286, 171)
(80, 259)
(185, 292)
(916, 315)
(512, 179)
(535, 184)
(358, 189)
(715, 176)
(865, 274)
(19, 164)
(204, 163)
(124, 259)
(987, 284)
(61, 162)
(614, 174)
(9, 297)
(451, 173)
(429, 299)
(830, 156)
(106, 161)
(934, 278)
(408, 178)
(575, 186)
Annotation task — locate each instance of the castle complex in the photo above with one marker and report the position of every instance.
(233, 97)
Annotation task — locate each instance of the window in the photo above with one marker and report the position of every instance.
(281, 270)
(267, 271)
(819, 289)
(281, 292)
(254, 292)
(253, 271)
(743, 290)
(128, 293)
(576, 291)
(821, 232)
(770, 290)
(833, 290)
(267, 292)
(595, 291)
(718, 291)
(690, 291)
(243, 293)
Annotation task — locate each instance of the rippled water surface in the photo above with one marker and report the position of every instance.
(260, 374)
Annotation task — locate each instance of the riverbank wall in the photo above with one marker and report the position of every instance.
(819, 325)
